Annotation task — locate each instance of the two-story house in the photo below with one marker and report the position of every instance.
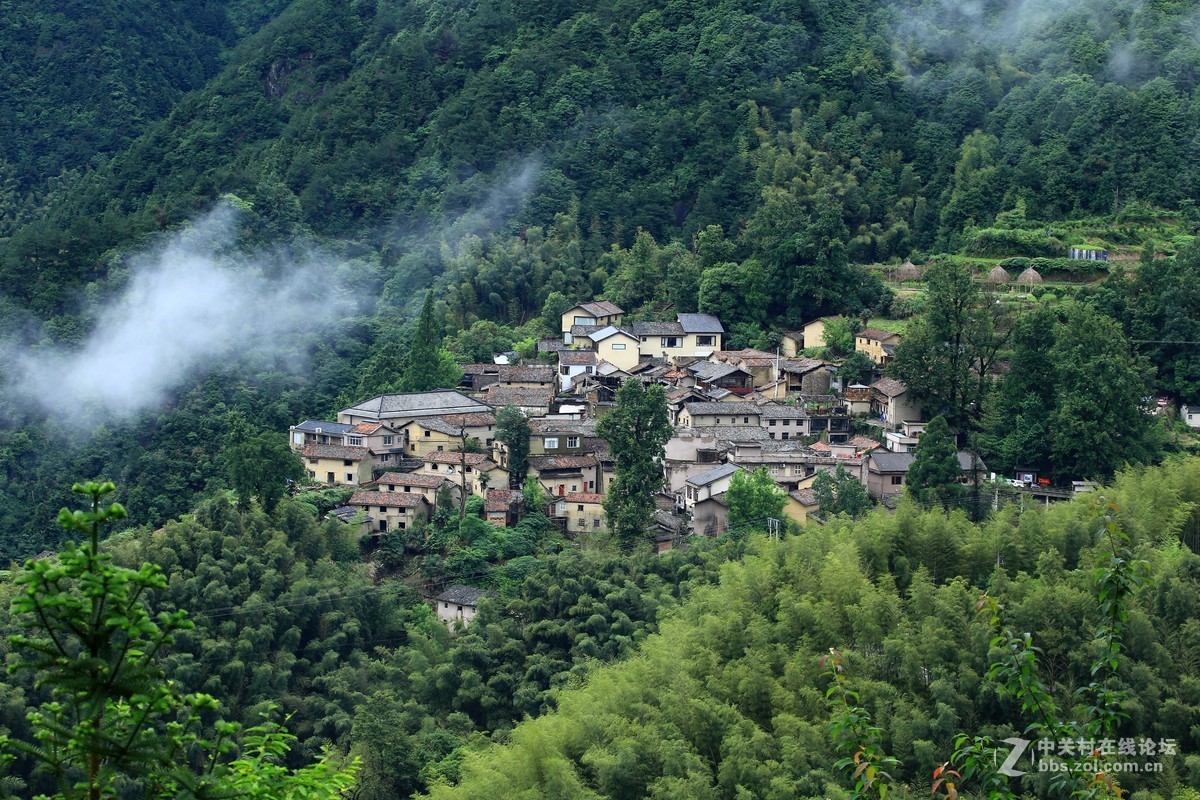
(877, 345)
(573, 364)
(315, 431)
(697, 415)
(893, 404)
(397, 409)
(560, 475)
(336, 464)
(475, 471)
(582, 511)
(596, 314)
(425, 484)
(390, 511)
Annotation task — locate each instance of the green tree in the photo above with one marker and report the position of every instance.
(934, 473)
(636, 430)
(113, 716)
(262, 467)
(752, 498)
(429, 366)
(839, 492)
(512, 428)
(857, 368)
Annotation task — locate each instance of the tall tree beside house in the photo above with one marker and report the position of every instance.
(512, 428)
(753, 498)
(1098, 423)
(933, 475)
(839, 492)
(262, 466)
(947, 354)
(429, 366)
(637, 431)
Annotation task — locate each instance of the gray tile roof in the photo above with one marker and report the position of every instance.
(730, 409)
(655, 328)
(537, 373)
(777, 411)
(463, 595)
(891, 462)
(708, 371)
(577, 358)
(713, 475)
(700, 323)
(416, 404)
(889, 387)
(335, 451)
(322, 426)
(600, 308)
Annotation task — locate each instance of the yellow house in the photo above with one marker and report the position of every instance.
(598, 313)
(791, 343)
(337, 465)
(878, 345)
(478, 470)
(800, 504)
(582, 511)
(814, 332)
(616, 346)
(421, 483)
(390, 511)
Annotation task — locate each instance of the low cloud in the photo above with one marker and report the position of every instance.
(194, 303)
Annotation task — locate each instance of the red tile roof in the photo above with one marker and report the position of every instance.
(581, 497)
(456, 458)
(499, 500)
(386, 499)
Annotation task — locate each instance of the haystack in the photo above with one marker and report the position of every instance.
(998, 275)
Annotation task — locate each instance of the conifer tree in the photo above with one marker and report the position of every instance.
(636, 430)
(934, 474)
(429, 366)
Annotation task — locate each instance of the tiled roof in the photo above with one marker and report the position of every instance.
(805, 497)
(438, 424)
(777, 411)
(863, 443)
(415, 404)
(600, 308)
(458, 458)
(581, 497)
(477, 419)
(577, 358)
(551, 345)
(655, 328)
(479, 369)
(585, 330)
(364, 497)
(543, 463)
(800, 366)
(738, 355)
(889, 387)
(733, 408)
(965, 459)
(499, 396)
(527, 374)
(583, 427)
(700, 323)
(708, 371)
(322, 426)
(418, 479)
(876, 334)
(502, 499)
(365, 428)
(463, 595)
(891, 462)
(713, 475)
(335, 451)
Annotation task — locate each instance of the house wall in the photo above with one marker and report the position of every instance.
(355, 473)
(710, 518)
(582, 517)
(697, 494)
(396, 518)
(609, 350)
(795, 510)
(880, 485)
(448, 613)
(707, 420)
(422, 441)
(872, 348)
(577, 316)
(814, 334)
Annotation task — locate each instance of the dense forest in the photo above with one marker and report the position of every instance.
(291, 180)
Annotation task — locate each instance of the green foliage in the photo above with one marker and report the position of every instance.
(839, 492)
(428, 365)
(113, 714)
(636, 430)
(513, 429)
(263, 467)
(935, 471)
(753, 498)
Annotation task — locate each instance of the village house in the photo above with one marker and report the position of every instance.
(572, 364)
(557, 437)
(337, 465)
(421, 483)
(886, 472)
(477, 471)
(581, 511)
(791, 343)
(597, 314)
(691, 451)
(877, 345)
(814, 332)
(315, 431)
(534, 402)
(383, 442)
(615, 345)
(697, 415)
(905, 439)
(398, 409)
(892, 403)
(858, 398)
(390, 511)
(502, 507)
(1191, 416)
(459, 604)
(477, 377)
(536, 376)
(800, 505)
(433, 434)
(760, 364)
(708, 375)
(704, 486)
(560, 475)
(805, 376)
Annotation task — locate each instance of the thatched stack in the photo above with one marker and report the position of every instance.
(1030, 277)
(908, 272)
(998, 275)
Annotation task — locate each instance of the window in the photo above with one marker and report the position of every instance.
(349, 477)
(551, 443)
(618, 347)
(706, 341)
(897, 480)
(771, 423)
(771, 435)
(347, 463)
(564, 370)
(382, 523)
(579, 508)
(386, 457)
(356, 441)
(382, 509)
(313, 460)
(388, 439)
(585, 320)
(745, 420)
(588, 370)
(392, 487)
(572, 441)
(312, 474)
(787, 422)
(426, 434)
(786, 434)
(596, 523)
(467, 470)
(671, 341)
(413, 447)
(439, 448)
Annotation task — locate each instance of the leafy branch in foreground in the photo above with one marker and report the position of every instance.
(854, 737)
(113, 717)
